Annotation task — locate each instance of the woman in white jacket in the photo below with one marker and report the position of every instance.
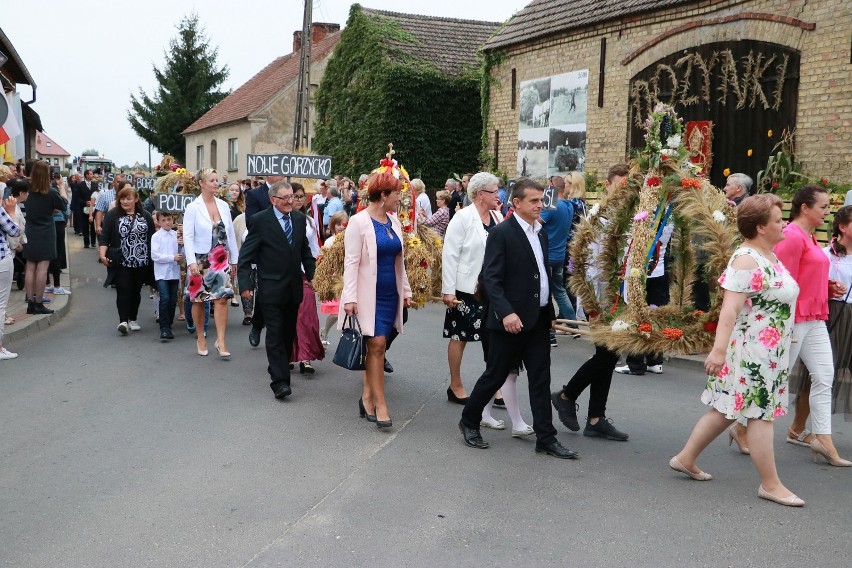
(463, 254)
(211, 251)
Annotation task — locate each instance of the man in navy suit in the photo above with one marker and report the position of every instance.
(519, 318)
(257, 200)
(278, 245)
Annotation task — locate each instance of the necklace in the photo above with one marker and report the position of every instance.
(387, 227)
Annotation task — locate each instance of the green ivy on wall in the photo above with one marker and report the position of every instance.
(374, 93)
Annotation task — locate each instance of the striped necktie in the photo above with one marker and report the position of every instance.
(288, 228)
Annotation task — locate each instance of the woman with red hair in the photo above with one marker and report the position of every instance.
(375, 285)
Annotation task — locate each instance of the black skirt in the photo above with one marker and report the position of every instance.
(465, 321)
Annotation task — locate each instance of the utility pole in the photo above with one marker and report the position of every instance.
(301, 130)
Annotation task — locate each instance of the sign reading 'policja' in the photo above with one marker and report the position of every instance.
(291, 165)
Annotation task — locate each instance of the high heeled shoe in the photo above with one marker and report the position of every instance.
(362, 412)
(451, 396)
(734, 436)
(201, 352)
(789, 501)
(818, 449)
(222, 354)
(675, 464)
(384, 423)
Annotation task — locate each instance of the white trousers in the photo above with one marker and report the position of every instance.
(813, 345)
(6, 270)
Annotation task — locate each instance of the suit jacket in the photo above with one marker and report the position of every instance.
(464, 251)
(257, 200)
(360, 267)
(279, 265)
(511, 278)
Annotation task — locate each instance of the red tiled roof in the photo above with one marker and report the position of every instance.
(47, 147)
(541, 18)
(259, 89)
(450, 44)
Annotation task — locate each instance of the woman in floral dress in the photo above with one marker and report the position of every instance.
(748, 365)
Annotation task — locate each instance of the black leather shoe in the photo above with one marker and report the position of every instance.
(283, 392)
(38, 308)
(305, 368)
(388, 367)
(451, 396)
(247, 320)
(567, 410)
(499, 403)
(473, 438)
(363, 411)
(384, 423)
(254, 337)
(166, 335)
(556, 450)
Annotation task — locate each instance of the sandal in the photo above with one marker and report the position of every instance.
(9, 321)
(800, 439)
(181, 318)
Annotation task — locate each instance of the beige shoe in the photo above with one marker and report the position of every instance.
(818, 448)
(791, 501)
(675, 464)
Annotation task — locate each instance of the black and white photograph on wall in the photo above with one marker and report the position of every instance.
(532, 153)
(569, 95)
(567, 149)
(552, 125)
(535, 104)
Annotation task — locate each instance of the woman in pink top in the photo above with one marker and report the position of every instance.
(804, 259)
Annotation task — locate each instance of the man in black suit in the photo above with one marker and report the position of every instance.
(84, 191)
(257, 200)
(278, 245)
(519, 318)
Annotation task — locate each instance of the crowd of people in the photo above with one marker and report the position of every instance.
(503, 277)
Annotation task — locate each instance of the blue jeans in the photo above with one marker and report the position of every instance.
(556, 275)
(187, 310)
(168, 301)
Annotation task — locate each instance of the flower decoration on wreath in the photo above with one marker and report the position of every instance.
(422, 247)
(663, 188)
(174, 178)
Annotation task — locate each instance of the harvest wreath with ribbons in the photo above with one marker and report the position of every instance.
(663, 187)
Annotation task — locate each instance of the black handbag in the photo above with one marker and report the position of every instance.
(350, 350)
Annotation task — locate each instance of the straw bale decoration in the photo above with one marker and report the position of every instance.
(422, 247)
(662, 187)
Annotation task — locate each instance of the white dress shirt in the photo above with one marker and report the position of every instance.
(531, 232)
(424, 204)
(164, 247)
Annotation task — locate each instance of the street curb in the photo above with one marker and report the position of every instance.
(34, 324)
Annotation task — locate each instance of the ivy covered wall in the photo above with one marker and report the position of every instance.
(374, 93)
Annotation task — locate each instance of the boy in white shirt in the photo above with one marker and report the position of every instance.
(165, 252)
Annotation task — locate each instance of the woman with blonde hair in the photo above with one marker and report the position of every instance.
(211, 253)
(439, 220)
(375, 285)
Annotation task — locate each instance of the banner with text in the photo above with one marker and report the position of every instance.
(290, 165)
(172, 202)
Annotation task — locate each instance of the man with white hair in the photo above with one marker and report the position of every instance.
(456, 197)
(333, 205)
(738, 187)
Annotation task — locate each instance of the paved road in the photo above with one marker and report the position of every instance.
(127, 452)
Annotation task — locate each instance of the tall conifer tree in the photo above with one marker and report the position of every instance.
(188, 87)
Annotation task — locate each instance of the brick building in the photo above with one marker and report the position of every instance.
(259, 115)
(572, 81)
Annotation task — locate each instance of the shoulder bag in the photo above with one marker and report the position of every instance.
(350, 350)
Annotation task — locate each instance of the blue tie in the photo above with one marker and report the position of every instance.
(288, 228)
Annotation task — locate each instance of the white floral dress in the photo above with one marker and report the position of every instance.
(753, 381)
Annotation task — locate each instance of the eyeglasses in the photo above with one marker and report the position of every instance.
(284, 198)
(298, 196)
(488, 190)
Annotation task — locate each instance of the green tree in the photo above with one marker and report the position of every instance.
(188, 87)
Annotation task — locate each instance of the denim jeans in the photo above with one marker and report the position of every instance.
(187, 310)
(168, 301)
(556, 275)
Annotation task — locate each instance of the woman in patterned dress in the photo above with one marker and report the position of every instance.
(125, 249)
(749, 363)
(209, 241)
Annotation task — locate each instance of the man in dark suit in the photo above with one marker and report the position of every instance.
(257, 200)
(518, 319)
(278, 245)
(84, 191)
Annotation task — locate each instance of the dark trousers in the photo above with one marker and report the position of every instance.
(656, 294)
(168, 302)
(90, 236)
(257, 318)
(700, 289)
(128, 286)
(280, 320)
(504, 352)
(60, 262)
(595, 373)
(79, 219)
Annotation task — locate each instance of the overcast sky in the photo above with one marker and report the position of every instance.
(89, 56)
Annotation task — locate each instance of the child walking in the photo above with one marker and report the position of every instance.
(165, 252)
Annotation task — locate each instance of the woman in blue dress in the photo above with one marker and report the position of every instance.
(375, 285)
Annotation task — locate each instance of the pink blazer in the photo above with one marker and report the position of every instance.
(359, 272)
